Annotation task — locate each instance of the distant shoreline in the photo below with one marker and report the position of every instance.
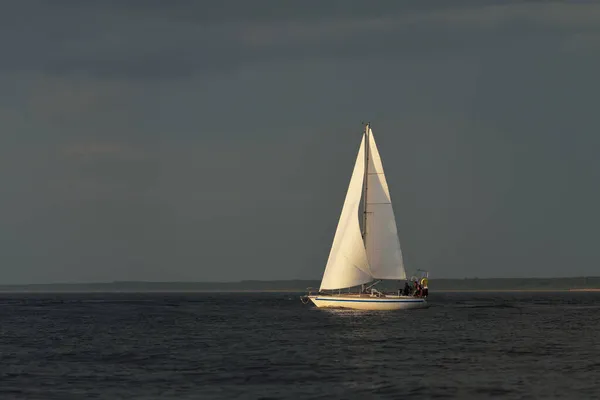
(216, 291)
(474, 285)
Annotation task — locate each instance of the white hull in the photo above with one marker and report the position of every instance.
(369, 303)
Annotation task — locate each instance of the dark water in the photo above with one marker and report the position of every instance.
(250, 346)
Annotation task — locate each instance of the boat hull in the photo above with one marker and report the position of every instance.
(369, 303)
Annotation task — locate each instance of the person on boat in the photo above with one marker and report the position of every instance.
(406, 290)
(417, 289)
(425, 289)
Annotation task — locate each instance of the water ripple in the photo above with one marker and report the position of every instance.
(250, 346)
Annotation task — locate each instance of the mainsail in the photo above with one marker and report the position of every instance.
(382, 242)
(352, 260)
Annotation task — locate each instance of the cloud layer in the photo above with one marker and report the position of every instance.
(180, 141)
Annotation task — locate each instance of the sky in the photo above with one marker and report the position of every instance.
(182, 141)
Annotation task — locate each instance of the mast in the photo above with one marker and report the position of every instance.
(365, 186)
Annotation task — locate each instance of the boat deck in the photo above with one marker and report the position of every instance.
(369, 296)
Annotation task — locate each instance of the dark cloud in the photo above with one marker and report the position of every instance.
(149, 40)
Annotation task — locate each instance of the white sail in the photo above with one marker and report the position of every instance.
(382, 243)
(347, 265)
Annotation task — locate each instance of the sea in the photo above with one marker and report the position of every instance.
(516, 345)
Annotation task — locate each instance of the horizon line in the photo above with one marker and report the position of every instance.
(279, 280)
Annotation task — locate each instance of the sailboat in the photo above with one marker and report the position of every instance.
(366, 256)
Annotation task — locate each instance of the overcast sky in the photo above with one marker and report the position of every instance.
(175, 140)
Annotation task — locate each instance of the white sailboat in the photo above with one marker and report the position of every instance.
(360, 257)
